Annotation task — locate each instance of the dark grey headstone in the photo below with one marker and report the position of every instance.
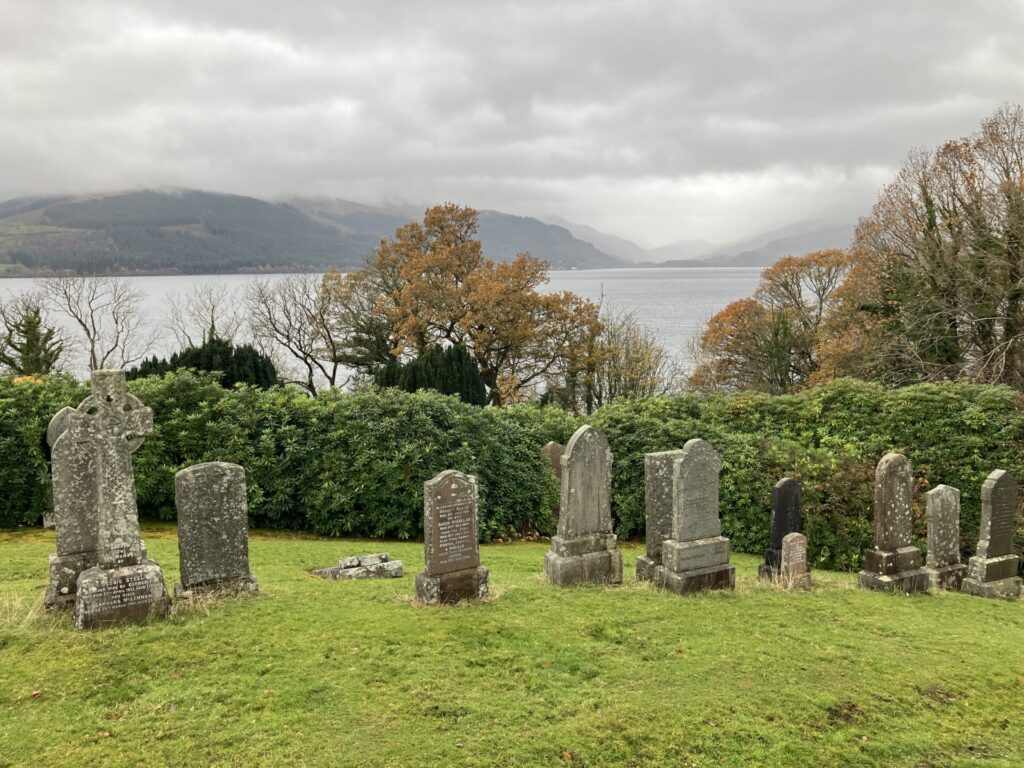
(585, 549)
(451, 547)
(992, 572)
(213, 529)
(787, 517)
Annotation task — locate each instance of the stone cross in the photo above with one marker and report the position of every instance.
(114, 423)
(695, 483)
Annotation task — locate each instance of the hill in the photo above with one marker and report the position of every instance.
(165, 231)
(831, 231)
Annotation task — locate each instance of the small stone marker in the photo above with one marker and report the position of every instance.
(124, 586)
(658, 469)
(585, 549)
(551, 454)
(697, 555)
(213, 530)
(943, 564)
(451, 547)
(992, 572)
(794, 571)
(376, 566)
(894, 564)
(787, 518)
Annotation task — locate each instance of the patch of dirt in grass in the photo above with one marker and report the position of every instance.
(844, 713)
(936, 693)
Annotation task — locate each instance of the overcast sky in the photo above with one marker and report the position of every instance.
(655, 120)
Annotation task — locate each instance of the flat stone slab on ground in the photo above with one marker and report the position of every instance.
(376, 566)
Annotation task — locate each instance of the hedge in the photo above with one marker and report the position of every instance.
(354, 463)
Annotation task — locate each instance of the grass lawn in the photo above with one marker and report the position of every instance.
(314, 672)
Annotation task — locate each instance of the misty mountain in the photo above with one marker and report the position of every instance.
(193, 232)
(610, 244)
(831, 231)
(681, 250)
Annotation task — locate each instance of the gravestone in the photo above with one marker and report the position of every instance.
(123, 586)
(450, 544)
(658, 509)
(794, 570)
(585, 549)
(992, 572)
(551, 454)
(213, 530)
(894, 564)
(787, 499)
(943, 563)
(376, 566)
(697, 555)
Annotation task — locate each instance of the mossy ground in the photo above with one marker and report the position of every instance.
(314, 672)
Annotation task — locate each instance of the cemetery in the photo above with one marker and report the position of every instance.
(504, 637)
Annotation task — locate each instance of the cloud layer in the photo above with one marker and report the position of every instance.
(653, 119)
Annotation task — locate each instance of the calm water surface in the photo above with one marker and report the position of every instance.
(674, 303)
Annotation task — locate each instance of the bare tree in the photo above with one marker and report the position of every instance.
(294, 314)
(207, 308)
(107, 315)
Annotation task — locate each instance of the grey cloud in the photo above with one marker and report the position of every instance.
(661, 119)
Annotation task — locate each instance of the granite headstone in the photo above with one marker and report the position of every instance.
(697, 555)
(794, 571)
(787, 500)
(894, 563)
(992, 571)
(585, 549)
(658, 468)
(213, 530)
(943, 563)
(451, 548)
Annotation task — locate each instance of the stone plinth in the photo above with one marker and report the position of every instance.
(585, 549)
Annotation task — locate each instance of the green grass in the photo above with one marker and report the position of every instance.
(313, 672)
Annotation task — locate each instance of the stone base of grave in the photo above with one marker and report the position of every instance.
(591, 559)
(687, 582)
(131, 594)
(63, 583)
(1008, 589)
(468, 584)
(947, 576)
(768, 570)
(645, 568)
(906, 581)
(365, 567)
(247, 585)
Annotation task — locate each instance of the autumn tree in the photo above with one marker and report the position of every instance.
(769, 342)
(939, 288)
(437, 286)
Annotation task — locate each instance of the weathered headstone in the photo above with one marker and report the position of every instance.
(376, 566)
(123, 586)
(992, 572)
(943, 563)
(213, 530)
(794, 570)
(787, 498)
(551, 454)
(585, 549)
(658, 469)
(697, 555)
(450, 544)
(894, 564)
